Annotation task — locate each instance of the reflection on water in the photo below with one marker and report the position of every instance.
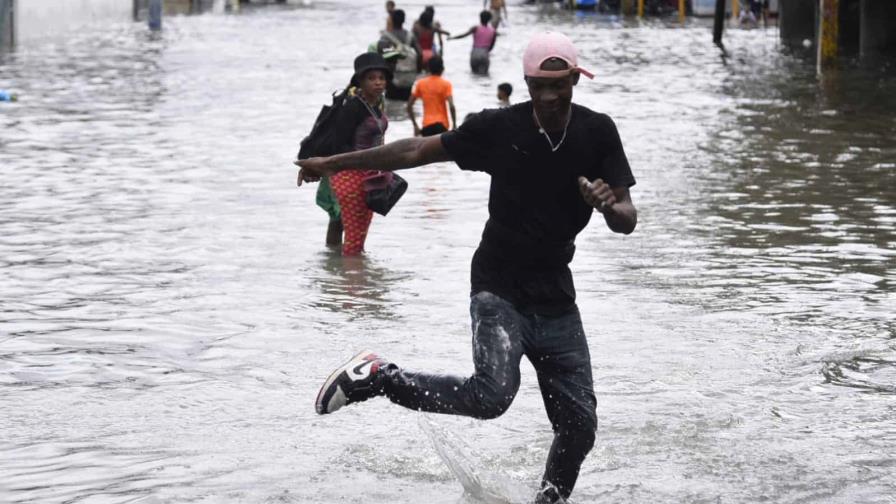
(355, 286)
(168, 308)
(809, 216)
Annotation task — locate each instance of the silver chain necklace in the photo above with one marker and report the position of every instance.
(545, 133)
(376, 119)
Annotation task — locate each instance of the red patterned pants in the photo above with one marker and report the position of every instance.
(349, 188)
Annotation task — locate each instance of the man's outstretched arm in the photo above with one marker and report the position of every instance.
(398, 155)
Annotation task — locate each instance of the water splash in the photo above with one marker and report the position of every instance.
(481, 483)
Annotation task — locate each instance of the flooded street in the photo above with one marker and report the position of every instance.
(168, 309)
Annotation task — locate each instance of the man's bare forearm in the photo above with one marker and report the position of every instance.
(622, 217)
(393, 156)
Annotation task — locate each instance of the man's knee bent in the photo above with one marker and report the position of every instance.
(488, 398)
(493, 405)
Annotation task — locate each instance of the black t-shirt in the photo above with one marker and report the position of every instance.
(535, 207)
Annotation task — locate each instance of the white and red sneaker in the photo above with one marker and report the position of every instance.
(357, 380)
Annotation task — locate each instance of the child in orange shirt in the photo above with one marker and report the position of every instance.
(435, 92)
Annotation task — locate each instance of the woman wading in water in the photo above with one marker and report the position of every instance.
(361, 124)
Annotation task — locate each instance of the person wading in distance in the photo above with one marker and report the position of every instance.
(361, 124)
(498, 9)
(552, 165)
(484, 37)
(438, 100)
(407, 65)
(390, 6)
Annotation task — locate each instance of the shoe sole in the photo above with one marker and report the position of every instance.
(356, 359)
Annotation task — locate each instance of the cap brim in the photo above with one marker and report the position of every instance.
(584, 72)
(556, 74)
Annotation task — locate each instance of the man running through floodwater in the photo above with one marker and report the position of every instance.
(552, 165)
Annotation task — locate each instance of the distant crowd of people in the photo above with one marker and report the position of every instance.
(753, 11)
(405, 65)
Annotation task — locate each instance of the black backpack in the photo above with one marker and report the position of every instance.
(320, 141)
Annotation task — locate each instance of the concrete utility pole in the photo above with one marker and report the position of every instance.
(155, 15)
(7, 26)
(719, 24)
(828, 34)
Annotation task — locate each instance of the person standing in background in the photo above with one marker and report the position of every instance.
(439, 31)
(425, 33)
(361, 124)
(390, 6)
(498, 9)
(406, 65)
(504, 92)
(484, 37)
(435, 92)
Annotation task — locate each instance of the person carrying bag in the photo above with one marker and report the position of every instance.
(383, 190)
(357, 121)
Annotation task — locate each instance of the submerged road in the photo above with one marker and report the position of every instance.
(168, 309)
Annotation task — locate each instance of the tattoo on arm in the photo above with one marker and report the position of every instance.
(398, 155)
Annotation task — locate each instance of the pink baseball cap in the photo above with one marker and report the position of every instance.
(546, 45)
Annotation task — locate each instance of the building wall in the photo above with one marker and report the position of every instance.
(878, 28)
(5, 24)
(798, 21)
(39, 19)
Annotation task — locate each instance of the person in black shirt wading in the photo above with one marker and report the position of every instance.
(552, 164)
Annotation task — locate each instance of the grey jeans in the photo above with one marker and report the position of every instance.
(479, 60)
(555, 346)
